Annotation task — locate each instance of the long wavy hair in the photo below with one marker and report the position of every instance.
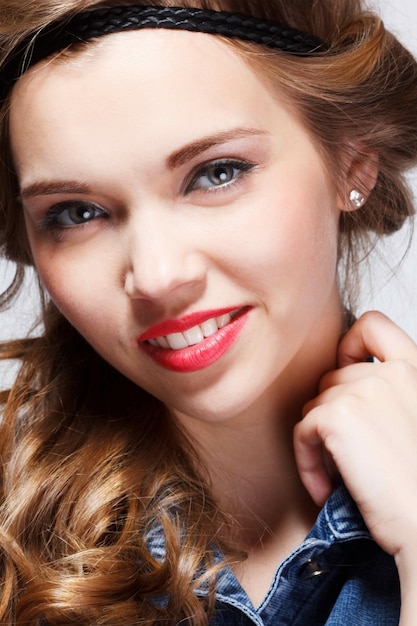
(90, 463)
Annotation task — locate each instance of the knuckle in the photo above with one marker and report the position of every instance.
(400, 370)
(373, 385)
(370, 317)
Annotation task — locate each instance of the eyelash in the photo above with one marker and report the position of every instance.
(236, 168)
(241, 169)
(53, 215)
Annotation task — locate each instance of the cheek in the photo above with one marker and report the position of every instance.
(78, 279)
(72, 292)
(293, 237)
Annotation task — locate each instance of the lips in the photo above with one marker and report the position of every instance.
(184, 323)
(194, 341)
(194, 335)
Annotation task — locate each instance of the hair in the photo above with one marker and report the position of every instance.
(90, 463)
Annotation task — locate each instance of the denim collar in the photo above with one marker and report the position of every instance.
(338, 522)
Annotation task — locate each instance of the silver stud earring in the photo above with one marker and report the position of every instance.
(357, 198)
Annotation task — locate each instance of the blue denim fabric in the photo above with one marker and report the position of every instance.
(338, 576)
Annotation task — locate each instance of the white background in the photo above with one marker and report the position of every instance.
(394, 293)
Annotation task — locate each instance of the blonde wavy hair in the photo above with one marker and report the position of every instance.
(90, 463)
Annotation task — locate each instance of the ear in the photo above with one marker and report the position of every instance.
(360, 178)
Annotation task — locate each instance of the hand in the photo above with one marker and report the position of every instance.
(365, 420)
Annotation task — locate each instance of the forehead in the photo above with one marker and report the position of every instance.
(174, 86)
(158, 60)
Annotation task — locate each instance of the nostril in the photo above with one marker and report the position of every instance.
(151, 286)
(155, 272)
(130, 286)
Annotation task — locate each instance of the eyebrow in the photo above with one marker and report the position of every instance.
(176, 159)
(50, 188)
(192, 150)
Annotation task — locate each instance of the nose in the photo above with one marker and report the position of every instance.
(162, 259)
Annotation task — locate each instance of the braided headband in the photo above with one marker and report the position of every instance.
(89, 24)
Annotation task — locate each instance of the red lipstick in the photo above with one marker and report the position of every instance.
(184, 323)
(204, 353)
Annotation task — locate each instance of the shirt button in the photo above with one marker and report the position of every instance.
(312, 569)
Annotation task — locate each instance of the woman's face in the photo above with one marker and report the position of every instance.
(181, 218)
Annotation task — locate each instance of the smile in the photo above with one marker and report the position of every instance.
(191, 344)
(193, 336)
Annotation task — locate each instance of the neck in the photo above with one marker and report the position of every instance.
(249, 460)
(251, 468)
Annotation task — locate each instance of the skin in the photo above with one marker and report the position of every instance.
(365, 419)
(112, 121)
(152, 275)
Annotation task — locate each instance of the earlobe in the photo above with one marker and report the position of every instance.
(360, 180)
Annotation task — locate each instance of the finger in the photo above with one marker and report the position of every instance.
(316, 471)
(347, 374)
(360, 379)
(374, 334)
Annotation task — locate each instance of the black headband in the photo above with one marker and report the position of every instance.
(98, 22)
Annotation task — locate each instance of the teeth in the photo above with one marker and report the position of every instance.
(193, 336)
(177, 341)
(162, 342)
(223, 320)
(209, 328)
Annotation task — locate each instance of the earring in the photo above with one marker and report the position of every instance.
(357, 198)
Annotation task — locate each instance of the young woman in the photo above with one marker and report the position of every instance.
(197, 434)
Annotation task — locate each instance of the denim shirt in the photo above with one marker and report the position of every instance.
(338, 576)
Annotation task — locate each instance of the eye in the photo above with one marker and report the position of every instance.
(218, 174)
(71, 214)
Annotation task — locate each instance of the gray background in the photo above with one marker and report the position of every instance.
(393, 286)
